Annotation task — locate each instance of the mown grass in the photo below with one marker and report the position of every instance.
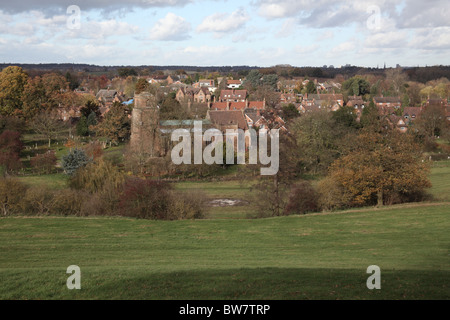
(319, 256)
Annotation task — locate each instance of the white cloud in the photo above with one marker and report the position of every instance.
(171, 27)
(432, 39)
(223, 22)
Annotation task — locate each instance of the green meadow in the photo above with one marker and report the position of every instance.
(228, 256)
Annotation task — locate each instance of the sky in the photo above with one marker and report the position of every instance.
(261, 33)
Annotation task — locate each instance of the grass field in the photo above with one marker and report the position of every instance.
(315, 256)
(320, 256)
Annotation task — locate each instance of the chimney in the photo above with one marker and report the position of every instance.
(246, 103)
(228, 105)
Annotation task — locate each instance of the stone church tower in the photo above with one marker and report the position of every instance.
(145, 140)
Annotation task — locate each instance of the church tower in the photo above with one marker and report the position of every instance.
(145, 138)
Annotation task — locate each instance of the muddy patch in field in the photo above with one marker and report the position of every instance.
(227, 202)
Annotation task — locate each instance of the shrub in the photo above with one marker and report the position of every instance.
(12, 192)
(45, 162)
(75, 159)
(146, 199)
(302, 199)
(187, 205)
(10, 148)
(330, 195)
(95, 176)
(38, 200)
(68, 202)
(94, 150)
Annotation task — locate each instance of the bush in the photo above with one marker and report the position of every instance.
(68, 202)
(38, 200)
(45, 162)
(75, 159)
(10, 148)
(12, 192)
(187, 205)
(302, 199)
(146, 199)
(94, 150)
(157, 200)
(96, 176)
(330, 195)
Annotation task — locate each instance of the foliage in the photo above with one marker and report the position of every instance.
(10, 148)
(12, 192)
(90, 106)
(12, 123)
(146, 199)
(12, 83)
(141, 86)
(311, 87)
(91, 122)
(94, 150)
(47, 124)
(156, 200)
(356, 86)
(380, 168)
(115, 126)
(75, 159)
(253, 79)
(125, 72)
(303, 198)
(317, 136)
(82, 128)
(346, 117)
(44, 162)
(44, 94)
(432, 121)
(290, 112)
(96, 176)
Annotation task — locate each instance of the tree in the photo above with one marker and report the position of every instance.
(44, 94)
(125, 72)
(141, 86)
(10, 148)
(318, 137)
(382, 168)
(12, 82)
(89, 107)
(47, 124)
(116, 125)
(356, 86)
(432, 122)
(253, 79)
(346, 117)
(270, 80)
(311, 87)
(290, 112)
(91, 122)
(82, 127)
(44, 162)
(75, 159)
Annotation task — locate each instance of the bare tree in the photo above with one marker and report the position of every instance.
(47, 124)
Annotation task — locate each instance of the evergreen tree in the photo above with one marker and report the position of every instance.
(75, 159)
(82, 127)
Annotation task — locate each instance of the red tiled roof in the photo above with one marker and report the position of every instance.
(228, 117)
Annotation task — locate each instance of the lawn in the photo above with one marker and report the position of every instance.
(318, 256)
